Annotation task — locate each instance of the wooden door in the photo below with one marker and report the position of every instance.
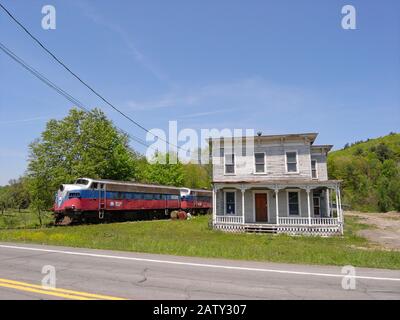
(261, 207)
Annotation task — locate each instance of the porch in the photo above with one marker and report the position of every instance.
(293, 207)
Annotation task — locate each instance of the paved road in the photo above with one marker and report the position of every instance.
(88, 274)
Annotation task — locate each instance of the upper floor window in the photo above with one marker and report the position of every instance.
(259, 162)
(314, 173)
(229, 163)
(291, 161)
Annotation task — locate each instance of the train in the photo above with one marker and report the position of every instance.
(94, 200)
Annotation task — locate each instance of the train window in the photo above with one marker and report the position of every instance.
(94, 185)
(82, 181)
(164, 196)
(174, 197)
(157, 196)
(148, 196)
(129, 195)
(138, 196)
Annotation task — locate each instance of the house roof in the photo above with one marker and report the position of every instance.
(310, 135)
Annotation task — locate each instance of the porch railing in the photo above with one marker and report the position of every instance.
(290, 221)
(293, 220)
(304, 221)
(324, 221)
(228, 219)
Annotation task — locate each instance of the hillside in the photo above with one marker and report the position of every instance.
(370, 171)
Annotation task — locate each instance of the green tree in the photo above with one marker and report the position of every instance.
(19, 193)
(370, 172)
(164, 169)
(196, 176)
(83, 144)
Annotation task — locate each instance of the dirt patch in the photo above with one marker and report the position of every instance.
(385, 229)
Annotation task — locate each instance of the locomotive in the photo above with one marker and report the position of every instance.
(91, 200)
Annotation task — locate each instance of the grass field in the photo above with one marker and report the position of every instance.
(195, 238)
(12, 219)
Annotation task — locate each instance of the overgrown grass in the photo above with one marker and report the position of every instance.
(195, 238)
(13, 219)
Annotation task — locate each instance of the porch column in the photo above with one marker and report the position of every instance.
(243, 191)
(277, 205)
(341, 211)
(308, 206)
(214, 209)
(328, 209)
(337, 205)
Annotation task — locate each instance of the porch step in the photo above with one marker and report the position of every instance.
(260, 228)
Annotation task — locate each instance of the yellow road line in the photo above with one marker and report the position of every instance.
(64, 293)
(55, 294)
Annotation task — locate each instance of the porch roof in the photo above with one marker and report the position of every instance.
(281, 183)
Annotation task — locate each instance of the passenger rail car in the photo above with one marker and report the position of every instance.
(93, 200)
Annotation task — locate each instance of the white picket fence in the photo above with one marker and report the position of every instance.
(296, 221)
(229, 219)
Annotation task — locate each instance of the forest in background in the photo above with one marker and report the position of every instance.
(370, 171)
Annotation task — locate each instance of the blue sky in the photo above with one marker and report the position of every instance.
(275, 66)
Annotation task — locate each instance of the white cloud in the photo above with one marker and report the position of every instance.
(246, 94)
(25, 120)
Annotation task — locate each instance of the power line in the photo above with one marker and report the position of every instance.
(82, 81)
(59, 90)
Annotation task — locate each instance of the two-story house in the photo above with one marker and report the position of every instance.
(282, 186)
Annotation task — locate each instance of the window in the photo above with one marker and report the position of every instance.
(317, 205)
(148, 196)
(138, 196)
(259, 159)
(82, 181)
(229, 163)
(291, 161)
(293, 203)
(314, 173)
(230, 202)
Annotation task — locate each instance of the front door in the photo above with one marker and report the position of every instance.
(261, 207)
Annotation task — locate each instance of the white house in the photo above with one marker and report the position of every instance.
(281, 186)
